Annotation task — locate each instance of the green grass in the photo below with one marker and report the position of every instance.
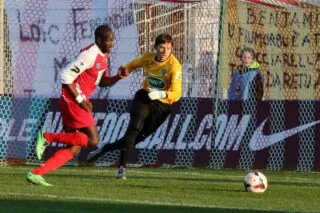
(95, 189)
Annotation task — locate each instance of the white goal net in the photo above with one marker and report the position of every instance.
(40, 37)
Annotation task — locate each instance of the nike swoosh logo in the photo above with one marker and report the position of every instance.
(260, 141)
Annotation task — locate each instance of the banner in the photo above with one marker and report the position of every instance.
(287, 46)
(46, 35)
(288, 143)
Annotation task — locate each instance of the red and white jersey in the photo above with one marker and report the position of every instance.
(85, 72)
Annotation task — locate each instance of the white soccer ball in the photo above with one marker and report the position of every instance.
(255, 182)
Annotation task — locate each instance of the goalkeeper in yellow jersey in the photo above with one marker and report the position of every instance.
(161, 88)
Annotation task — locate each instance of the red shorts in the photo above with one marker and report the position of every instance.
(73, 116)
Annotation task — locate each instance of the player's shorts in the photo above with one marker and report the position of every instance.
(75, 117)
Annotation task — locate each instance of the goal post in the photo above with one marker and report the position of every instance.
(2, 49)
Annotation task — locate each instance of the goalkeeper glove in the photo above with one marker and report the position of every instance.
(155, 94)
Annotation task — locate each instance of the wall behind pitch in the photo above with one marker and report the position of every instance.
(46, 35)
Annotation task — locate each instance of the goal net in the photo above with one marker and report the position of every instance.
(40, 37)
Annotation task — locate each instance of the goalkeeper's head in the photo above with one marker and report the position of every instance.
(163, 44)
(104, 38)
(163, 38)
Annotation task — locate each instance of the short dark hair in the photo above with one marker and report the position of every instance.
(163, 38)
(102, 30)
(250, 50)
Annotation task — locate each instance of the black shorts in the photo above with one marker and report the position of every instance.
(146, 114)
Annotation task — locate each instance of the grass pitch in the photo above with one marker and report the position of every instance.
(95, 189)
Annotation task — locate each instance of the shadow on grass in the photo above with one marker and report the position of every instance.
(192, 179)
(43, 206)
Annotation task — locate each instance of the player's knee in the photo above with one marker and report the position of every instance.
(138, 118)
(93, 141)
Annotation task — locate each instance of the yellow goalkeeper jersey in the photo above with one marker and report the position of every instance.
(165, 75)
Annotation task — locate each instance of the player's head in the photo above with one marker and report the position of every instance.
(247, 55)
(163, 45)
(104, 38)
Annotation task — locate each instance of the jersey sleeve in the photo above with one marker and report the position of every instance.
(84, 61)
(175, 90)
(135, 63)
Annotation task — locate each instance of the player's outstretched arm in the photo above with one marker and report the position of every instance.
(109, 81)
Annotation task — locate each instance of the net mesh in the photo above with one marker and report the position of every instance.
(41, 37)
(281, 129)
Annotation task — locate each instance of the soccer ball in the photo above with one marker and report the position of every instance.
(255, 182)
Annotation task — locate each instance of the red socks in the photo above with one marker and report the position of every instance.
(69, 138)
(60, 158)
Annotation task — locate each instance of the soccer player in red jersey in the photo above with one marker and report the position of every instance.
(79, 80)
